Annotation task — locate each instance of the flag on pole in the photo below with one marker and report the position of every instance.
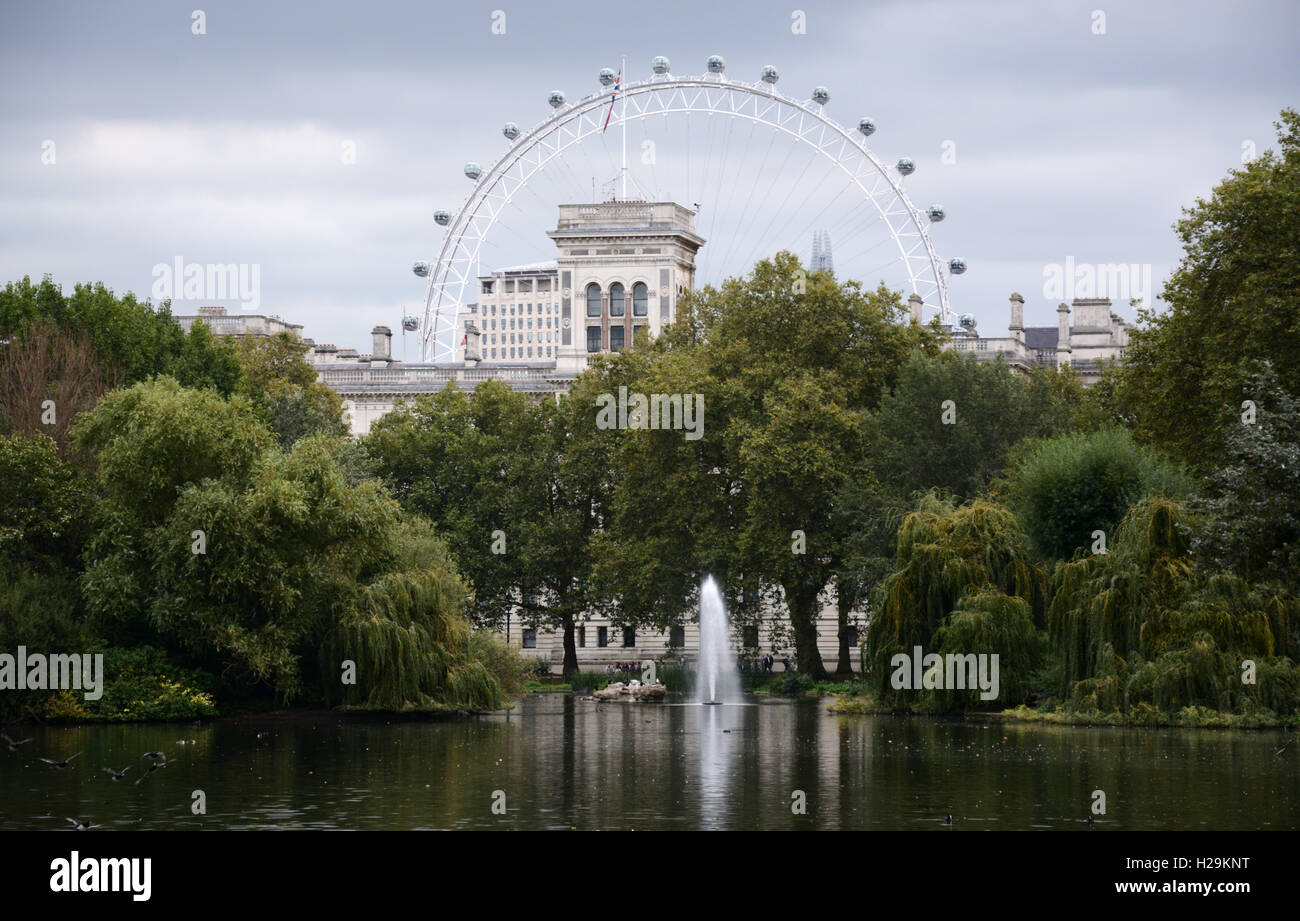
(617, 82)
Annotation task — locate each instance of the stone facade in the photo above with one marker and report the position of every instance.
(1098, 335)
(241, 324)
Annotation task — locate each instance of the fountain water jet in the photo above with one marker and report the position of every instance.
(717, 680)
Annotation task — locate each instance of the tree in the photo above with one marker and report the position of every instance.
(133, 340)
(269, 564)
(1251, 506)
(965, 580)
(951, 422)
(1073, 485)
(786, 361)
(1234, 300)
(41, 501)
(516, 485)
(48, 376)
(284, 387)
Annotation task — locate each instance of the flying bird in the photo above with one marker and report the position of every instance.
(13, 743)
(117, 775)
(156, 756)
(153, 767)
(60, 764)
(83, 824)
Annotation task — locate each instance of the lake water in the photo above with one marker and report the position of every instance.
(556, 761)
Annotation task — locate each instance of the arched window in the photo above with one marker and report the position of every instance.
(593, 300)
(616, 300)
(639, 292)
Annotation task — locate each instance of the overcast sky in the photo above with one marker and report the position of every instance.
(1071, 136)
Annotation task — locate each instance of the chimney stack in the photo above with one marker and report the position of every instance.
(914, 304)
(381, 348)
(1017, 327)
(1063, 334)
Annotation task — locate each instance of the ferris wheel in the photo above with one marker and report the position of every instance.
(876, 188)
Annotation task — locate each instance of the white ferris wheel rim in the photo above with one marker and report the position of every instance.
(530, 151)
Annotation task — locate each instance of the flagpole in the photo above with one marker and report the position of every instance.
(623, 119)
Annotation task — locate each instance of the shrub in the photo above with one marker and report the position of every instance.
(1072, 485)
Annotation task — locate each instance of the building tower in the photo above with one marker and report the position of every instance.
(821, 252)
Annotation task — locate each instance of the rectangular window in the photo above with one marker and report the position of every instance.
(749, 637)
(616, 338)
(582, 637)
(530, 638)
(629, 637)
(593, 338)
(602, 637)
(677, 637)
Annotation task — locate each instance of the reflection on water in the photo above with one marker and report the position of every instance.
(568, 763)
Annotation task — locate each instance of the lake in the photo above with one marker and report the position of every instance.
(557, 761)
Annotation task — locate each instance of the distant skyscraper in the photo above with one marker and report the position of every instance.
(821, 252)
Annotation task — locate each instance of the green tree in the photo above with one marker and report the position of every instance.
(1073, 485)
(951, 422)
(134, 340)
(786, 362)
(1251, 507)
(516, 485)
(41, 501)
(1234, 300)
(974, 559)
(285, 390)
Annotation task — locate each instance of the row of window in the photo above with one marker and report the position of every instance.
(617, 337)
(491, 309)
(492, 338)
(492, 324)
(676, 637)
(549, 352)
(618, 300)
(525, 286)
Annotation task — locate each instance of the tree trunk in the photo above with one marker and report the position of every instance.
(570, 649)
(802, 604)
(843, 604)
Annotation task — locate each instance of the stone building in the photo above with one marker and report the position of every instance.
(1097, 335)
(619, 270)
(240, 324)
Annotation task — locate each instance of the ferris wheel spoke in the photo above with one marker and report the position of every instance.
(662, 94)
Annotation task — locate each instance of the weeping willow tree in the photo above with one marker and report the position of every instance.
(991, 623)
(1141, 626)
(974, 557)
(408, 639)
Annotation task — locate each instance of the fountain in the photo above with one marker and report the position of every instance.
(717, 680)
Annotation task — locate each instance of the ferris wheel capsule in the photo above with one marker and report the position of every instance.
(473, 170)
(442, 217)
(935, 213)
(957, 266)
(867, 126)
(421, 269)
(510, 130)
(770, 74)
(716, 64)
(821, 95)
(607, 76)
(906, 166)
(556, 99)
(660, 65)
(410, 323)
